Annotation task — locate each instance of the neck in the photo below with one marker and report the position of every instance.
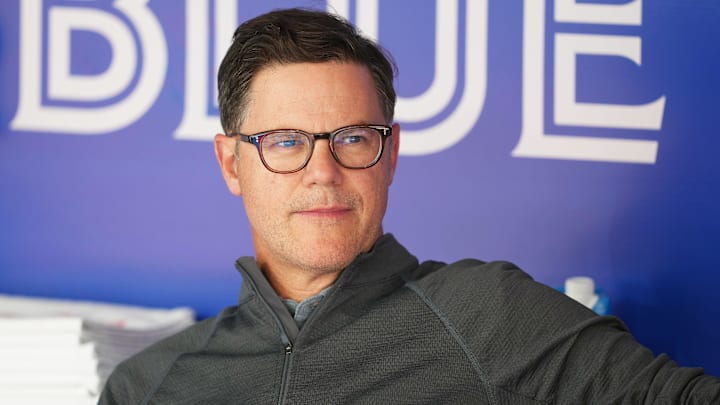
(297, 284)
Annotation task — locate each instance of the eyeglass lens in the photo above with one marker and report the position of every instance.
(354, 148)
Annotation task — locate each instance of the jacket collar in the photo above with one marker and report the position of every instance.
(370, 276)
(386, 260)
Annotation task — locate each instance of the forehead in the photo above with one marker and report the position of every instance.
(316, 97)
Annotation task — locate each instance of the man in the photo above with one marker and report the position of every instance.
(334, 311)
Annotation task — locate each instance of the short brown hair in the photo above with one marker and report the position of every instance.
(296, 36)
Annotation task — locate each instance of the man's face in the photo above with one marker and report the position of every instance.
(323, 216)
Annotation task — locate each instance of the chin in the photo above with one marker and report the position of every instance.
(331, 262)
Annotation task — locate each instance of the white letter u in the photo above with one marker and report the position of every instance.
(438, 96)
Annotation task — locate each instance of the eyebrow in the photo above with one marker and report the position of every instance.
(289, 128)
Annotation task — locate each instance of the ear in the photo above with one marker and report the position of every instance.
(225, 154)
(395, 151)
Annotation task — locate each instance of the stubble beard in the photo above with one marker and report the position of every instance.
(323, 245)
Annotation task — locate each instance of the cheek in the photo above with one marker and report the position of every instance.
(376, 193)
(264, 210)
(259, 193)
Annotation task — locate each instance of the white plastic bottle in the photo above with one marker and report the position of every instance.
(583, 290)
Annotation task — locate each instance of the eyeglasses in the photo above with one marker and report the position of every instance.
(289, 150)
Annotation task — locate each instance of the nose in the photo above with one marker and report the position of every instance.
(322, 169)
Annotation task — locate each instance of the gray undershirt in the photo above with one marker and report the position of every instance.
(301, 311)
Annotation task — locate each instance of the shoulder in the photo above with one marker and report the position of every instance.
(137, 377)
(498, 292)
(471, 276)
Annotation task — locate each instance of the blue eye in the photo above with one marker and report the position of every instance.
(284, 141)
(287, 143)
(353, 137)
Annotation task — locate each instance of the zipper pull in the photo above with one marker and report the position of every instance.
(288, 349)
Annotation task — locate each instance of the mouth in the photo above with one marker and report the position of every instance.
(324, 212)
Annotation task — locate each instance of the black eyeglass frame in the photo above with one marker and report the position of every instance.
(385, 132)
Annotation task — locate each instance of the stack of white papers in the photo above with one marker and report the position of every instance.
(61, 352)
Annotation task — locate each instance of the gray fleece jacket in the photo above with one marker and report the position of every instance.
(396, 331)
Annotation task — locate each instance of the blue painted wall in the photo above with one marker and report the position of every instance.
(570, 140)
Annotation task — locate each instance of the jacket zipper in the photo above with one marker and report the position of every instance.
(285, 373)
(288, 349)
(284, 338)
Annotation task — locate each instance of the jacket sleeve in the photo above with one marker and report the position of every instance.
(135, 380)
(120, 390)
(602, 363)
(534, 344)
